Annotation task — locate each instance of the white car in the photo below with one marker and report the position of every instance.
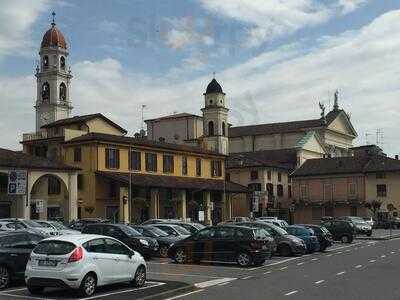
(83, 262)
(30, 225)
(57, 227)
(10, 226)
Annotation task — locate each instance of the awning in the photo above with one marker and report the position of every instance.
(165, 181)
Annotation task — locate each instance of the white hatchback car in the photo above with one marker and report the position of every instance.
(83, 262)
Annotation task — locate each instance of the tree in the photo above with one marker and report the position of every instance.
(373, 206)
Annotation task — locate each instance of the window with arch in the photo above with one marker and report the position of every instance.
(62, 62)
(223, 129)
(45, 91)
(63, 92)
(210, 128)
(45, 62)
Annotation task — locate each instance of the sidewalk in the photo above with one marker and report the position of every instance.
(380, 234)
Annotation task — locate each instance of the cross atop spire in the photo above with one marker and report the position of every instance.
(54, 22)
(214, 75)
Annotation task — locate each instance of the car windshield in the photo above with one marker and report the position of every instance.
(44, 224)
(180, 230)
(324, 230)
(158, 232)
(129, 230)
(278, 229)
(59, 226)
(199, 226)
(31, 223)
(54, 248)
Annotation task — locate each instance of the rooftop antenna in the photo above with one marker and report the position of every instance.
(142, 124)
(54, 16)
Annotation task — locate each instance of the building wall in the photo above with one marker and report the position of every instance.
(392, 182)
(99, 125)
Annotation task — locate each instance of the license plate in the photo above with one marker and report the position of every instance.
(47, 263)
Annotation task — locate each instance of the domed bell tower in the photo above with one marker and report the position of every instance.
(53, 79)
(215, 119)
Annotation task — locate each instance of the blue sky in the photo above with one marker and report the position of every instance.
(275, 59)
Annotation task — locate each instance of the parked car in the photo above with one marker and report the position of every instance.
(341, 230)
(324, 236)
(164, 239)
(235, 220)
(360, 226)
(280, 223)
(83, 262)
(10, 226)
(31, 225)
(156, 221)
(227, 243)
(307, 235)
(173, 230)
(370, 221)
(58, 227)
(15, 249)
(79, 224)
(191, 227)
(286, 244)
(146, 246)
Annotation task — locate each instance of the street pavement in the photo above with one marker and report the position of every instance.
(361, 270)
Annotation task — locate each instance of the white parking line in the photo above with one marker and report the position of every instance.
(383, 256)
(340, 273)
(319, 281)
(372, 260)
(24, 296)
(358, 266)
(209, 283)
(268, 272)
(14, 290)
(314, 259)
(283, 268)
(340, 252)
(329, 255)
(183, 274)
(301, 263)
(184, 295)
(392, 252)
(276, 263)
(347, 250)
(291, 293)
(247, 277)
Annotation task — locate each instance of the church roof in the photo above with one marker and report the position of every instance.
(82, 119)
(53, 38)
(174, 116)
(214, 87)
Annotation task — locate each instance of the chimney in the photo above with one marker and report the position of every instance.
(396, 157)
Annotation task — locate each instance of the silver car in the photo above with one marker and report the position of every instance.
(32, 226)
(58, 227)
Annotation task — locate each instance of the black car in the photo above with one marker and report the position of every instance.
(191, 227)
(324, 236)
(79, 224)
(226, 243)
(15, 249)
(146, 246)
(164, 239)
(360, 226)
(286, 244)
(341, 230)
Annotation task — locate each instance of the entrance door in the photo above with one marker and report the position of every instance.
(5, 210)
(34, 213)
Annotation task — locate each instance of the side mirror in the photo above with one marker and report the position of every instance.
(131, 254)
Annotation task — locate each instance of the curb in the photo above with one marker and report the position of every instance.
(378, 238)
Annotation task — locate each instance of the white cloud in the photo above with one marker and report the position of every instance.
(108, 26)
(16, 19)
(269, 19)
(180, 33)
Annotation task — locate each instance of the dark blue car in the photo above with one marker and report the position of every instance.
(307, 235)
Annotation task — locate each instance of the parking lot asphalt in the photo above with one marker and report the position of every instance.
(168, 280)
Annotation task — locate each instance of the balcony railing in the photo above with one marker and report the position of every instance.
(34, 136)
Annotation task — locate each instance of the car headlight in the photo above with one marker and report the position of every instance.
(144, 242)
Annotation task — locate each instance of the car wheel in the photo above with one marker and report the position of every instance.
(180, 256)
(285, 250)
(4, 277)
(259, 262)
(164, 251)
(35, 290)
(244, 259)
(369, 233)
(345, 239)
(140, 277)
(88, 285)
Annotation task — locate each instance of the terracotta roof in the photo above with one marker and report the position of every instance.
(82, 119)
(17, 159)
(53, 38)
(174, 116)
(94, 136)
(164, 181)
(214, 87)
(282, 158)
(347, 165)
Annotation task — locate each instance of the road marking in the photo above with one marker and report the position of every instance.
(184, 295)
(283, 268)
(247, 277)
(268, 272)
(209, 283)
(14, 290)
(291, 293)
(275, 263)
(225, 283)
(24, 297)
(392, 252)
(183, 274)
(383, 256)
(347, 250)
(372, 260)
(301, 263)
(340, 252)
(358, 266)
(341, 273)
(329, 255)
(344, 247)
(356, 248)
(305, 255)
(319, 281)
(314, 259)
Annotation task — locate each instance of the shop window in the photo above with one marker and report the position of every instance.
(77, 154)
(80, 181)
(54, 186)
(112, 190)
(381, 190)
(151, 162)
(216, 168)
(135, 158)
(279, 190)
(168, 163)
(3, 183)
(184, 165)
(112, 158)
(254, 175)
(198, 166)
